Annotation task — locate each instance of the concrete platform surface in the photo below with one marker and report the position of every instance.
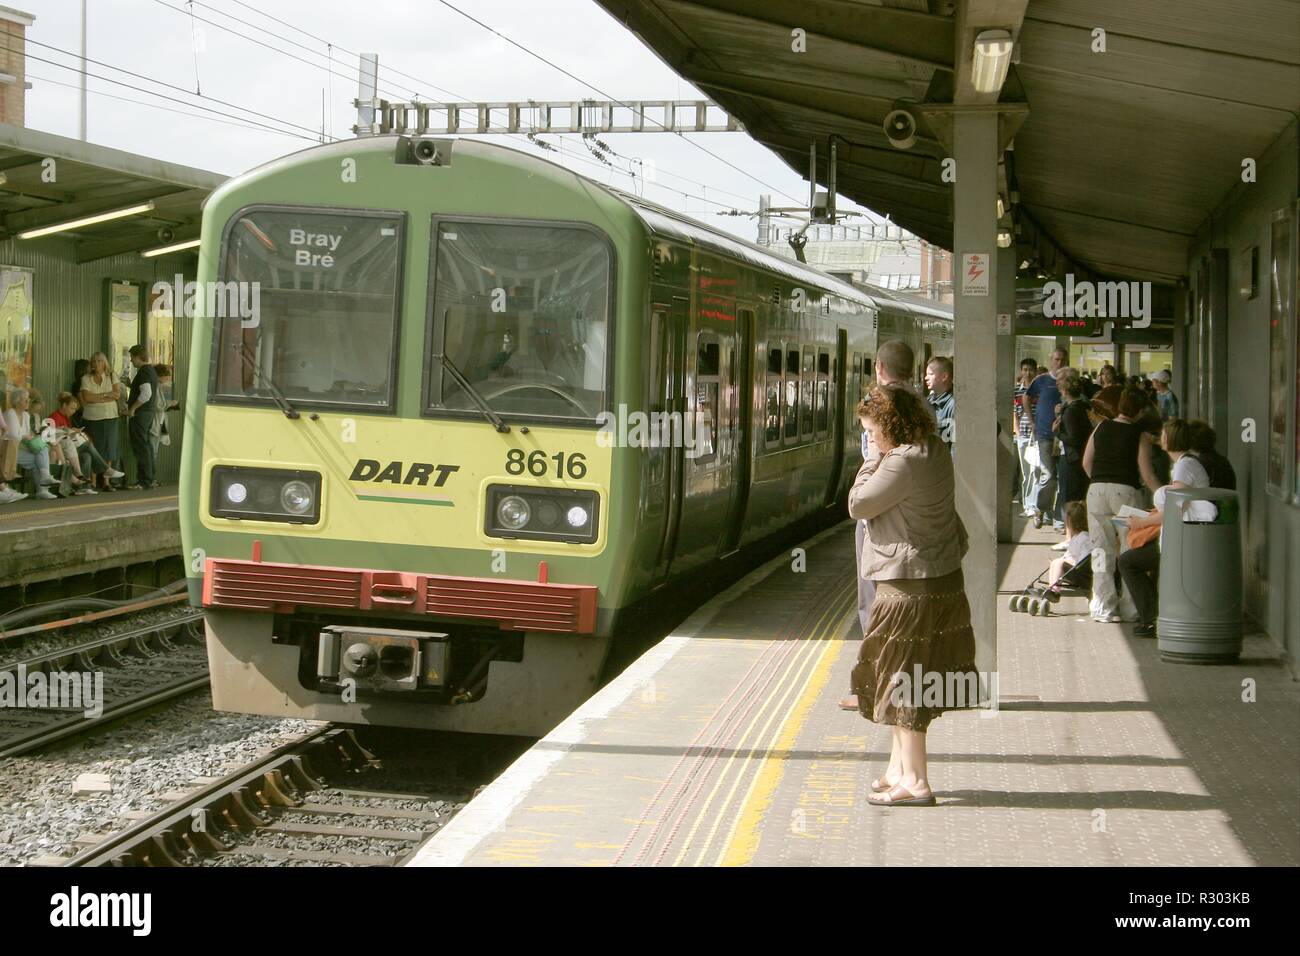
(724, 745)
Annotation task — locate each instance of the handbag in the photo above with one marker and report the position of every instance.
(1137, 537)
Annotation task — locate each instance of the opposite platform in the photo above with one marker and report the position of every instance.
(52, 540)
(725, 745)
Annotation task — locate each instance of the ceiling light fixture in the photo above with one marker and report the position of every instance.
(174, 247)
(991, 61)
(88, 220)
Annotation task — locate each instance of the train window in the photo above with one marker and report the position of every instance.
(823, 396)
(807, 388)
(707, 385)
(327, 307)
(774, 361)
(709, 363)
(522, 310)
(792, 395)
(772, 399)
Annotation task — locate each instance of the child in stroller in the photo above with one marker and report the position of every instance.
(1072, 570)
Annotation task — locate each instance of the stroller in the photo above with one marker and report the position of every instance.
(1038, 597)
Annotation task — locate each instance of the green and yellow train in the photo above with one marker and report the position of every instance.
(463, 408)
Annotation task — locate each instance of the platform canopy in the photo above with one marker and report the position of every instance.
(48, 180)
(1139, 114)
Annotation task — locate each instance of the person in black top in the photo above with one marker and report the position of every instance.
(140, 409)
(1073, 429)
(1118, 460)
(80, 368)
(1216, 465)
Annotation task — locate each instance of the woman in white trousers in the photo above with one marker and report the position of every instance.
(1118, 462)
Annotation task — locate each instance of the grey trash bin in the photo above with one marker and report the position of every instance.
(1200, 578)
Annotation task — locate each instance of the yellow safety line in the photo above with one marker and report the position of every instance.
(81, 507)
(838, 608)
(742, 841)
(821, 633)
(796, 666)
(797, 662)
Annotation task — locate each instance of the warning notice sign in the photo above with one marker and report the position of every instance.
(975, 273)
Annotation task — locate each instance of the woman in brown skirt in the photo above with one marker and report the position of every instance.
(918, 659)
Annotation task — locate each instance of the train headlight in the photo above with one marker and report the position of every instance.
(265, 494)
(297, 498)
(542, 514)
(513, 512)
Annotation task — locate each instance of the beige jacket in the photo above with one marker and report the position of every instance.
(912, 526)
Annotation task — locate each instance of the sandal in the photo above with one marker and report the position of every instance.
(881, 784)
(849, 703)
(900, 796)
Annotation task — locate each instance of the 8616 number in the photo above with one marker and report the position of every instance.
(538, 463)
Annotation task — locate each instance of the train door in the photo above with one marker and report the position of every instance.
(740, 391)
(669, 397)
(836, 408)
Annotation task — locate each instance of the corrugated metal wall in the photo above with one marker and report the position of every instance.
(69, 321)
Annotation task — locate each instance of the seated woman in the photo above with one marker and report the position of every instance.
(920, 628)
(33, 454)
(1141, 562)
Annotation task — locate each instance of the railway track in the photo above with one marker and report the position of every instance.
(279, 810)
(71, 690)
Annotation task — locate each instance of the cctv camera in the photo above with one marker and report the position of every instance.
(166, 234)
(900, 128)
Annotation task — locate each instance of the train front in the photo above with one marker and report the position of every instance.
(394, 502)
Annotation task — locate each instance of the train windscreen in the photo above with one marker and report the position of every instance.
(307, 307)
(522, 310)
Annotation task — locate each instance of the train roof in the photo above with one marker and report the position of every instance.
(660, 221)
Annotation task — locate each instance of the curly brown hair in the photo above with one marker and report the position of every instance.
(899, 413)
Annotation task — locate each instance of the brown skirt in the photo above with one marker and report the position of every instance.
(918, 658)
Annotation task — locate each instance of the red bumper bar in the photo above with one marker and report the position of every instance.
(513, 605)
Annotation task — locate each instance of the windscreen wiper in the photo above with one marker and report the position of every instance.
(276, 395)
(472, 392)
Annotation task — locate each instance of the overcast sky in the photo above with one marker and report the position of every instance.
(423, 39)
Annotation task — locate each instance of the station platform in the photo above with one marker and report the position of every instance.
(725, 745)
(45, 541)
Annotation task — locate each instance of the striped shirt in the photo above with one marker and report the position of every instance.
(1024, 413)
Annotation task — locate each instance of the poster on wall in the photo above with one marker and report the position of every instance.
(124, 321)
(161, 337)
(1281, 338)
(15, 327)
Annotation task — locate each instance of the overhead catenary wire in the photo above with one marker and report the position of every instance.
(592, 86)
(155, 106)
(149, 79)
(244, 36)
(331, 45)
(462, 97)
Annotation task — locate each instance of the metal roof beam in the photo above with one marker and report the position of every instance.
(907, 34)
